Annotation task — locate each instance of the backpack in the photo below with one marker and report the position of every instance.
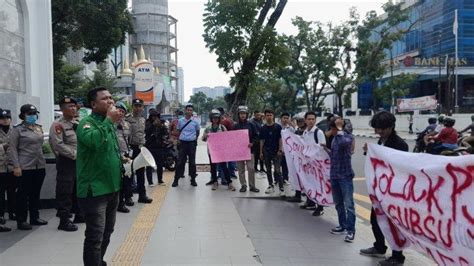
(316, 135)
(348, 126)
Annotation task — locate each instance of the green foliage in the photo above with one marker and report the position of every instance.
(98, 26)
(375, 35)
(101, 77)
(237, 33)
(203, 104)
(68, 81)
(396, 87)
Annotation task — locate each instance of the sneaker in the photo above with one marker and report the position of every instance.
(193, 183)
(67, 226)
(318, 212)
(282, 193)
(121, 208)
(243, 188)
(129, 202)
(210, 183)
(349, 237)
(372, 252)
(270, 189)
(175, 183)
(391, 262)
(163, 184)
(231, 187)
(308, 207)
(4, 229)
(215, 185)
(254, 189)
(151, 185)
(338, 231)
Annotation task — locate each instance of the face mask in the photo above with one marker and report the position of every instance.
(31, 119)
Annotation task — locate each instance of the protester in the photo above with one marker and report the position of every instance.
(156, 139)
(7, 180)
(313, 133)
(123, 136)
(26, 153)
(244, 124)
(99, 170)
(137, 140)
(384, 126)
(174, 132)
(271, 151)
(226, 121)
(446, 139)
(341, 175)
(301, 127)
(63, 140)
(189, 133)
(258, 123)
(285, 122)
(410, 124)
(468, 141)
(216, 126)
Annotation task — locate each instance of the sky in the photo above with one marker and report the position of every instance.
(200, 66)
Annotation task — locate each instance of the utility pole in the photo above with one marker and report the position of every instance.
(391, 79)
(439, 77)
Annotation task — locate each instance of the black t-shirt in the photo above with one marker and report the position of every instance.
(271, 136)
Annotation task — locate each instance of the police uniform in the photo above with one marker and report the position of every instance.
(7, 180)
(63, 140)
(137, 140)
(26, 153)
(123, 136)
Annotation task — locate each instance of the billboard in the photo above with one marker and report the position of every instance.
(420, 103)
(143, 81)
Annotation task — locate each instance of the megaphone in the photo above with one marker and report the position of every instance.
(144, 159)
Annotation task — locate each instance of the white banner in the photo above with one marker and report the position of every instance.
(308, 168)
(420, 103)
(425, 201)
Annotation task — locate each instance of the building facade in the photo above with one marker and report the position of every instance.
(155, 31)
(26, 57)
(181, 85)
(428, 51)
(219, 91)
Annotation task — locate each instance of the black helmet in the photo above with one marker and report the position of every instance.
(27, 109)
(432, 120)
(449, 122)
(441, 118)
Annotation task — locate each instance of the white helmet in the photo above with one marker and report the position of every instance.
(242, 109)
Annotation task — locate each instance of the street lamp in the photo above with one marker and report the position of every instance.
(440, 106)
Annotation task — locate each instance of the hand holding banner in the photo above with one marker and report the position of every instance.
(426, 202)
(229, 146)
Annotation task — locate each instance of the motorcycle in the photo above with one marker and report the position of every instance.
(170, 157)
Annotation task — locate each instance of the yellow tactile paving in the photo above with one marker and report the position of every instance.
(131, 251)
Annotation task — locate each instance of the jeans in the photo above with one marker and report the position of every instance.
(250, 170)
(225, 170)
(275, 160)
(28, 194)
(158, 156)
(230, 165)
(99, 214)
(8, 185)
(343, 195)
(256, 154)
(187, 149)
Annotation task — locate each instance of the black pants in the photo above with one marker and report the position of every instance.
(379, 243)
(28, 194)
(8, 185)
(284, 168)
(126, 191)
(140, 173)
(224, 168)
(66, 199)
(158, 156)
(256, 153)
(99, 214)
(186, 150)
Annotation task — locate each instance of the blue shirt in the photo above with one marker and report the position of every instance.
(341, 153)
(190, 131)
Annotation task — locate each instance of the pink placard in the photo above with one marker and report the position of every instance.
(229, 146)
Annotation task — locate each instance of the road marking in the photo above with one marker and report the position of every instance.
(358, 178)
(362, 212)
(362, 198)
(133, 247)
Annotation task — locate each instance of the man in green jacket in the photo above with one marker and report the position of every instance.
(98, 174)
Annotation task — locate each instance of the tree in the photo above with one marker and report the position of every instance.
(68, 82)
(396, 87)
(199, 101)
(376, 34)
(237, 33)
(97, 26)
(101, 77)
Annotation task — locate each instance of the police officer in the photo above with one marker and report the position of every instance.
(137, 140)
(26, 153)
(63, 140)
(123, 136)
(7, 180)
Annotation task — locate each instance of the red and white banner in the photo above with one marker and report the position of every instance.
(308, 167)
(424, 201)
(420, 103)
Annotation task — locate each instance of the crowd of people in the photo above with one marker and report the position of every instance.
(93, 190)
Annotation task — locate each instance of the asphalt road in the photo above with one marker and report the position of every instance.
(358, 161)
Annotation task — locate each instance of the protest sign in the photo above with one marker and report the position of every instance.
(229, 146)
(424, 201)
(419, 103)
(308, 167)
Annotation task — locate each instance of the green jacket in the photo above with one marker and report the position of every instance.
(98, 157)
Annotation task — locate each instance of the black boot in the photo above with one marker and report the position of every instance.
(144, 199)
(193, 182)
(129, 202)
(66, 225)
(122, 208)
(175, 182)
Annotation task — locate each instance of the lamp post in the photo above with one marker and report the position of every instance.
(439, 76)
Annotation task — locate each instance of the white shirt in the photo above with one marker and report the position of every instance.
(308, 135)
